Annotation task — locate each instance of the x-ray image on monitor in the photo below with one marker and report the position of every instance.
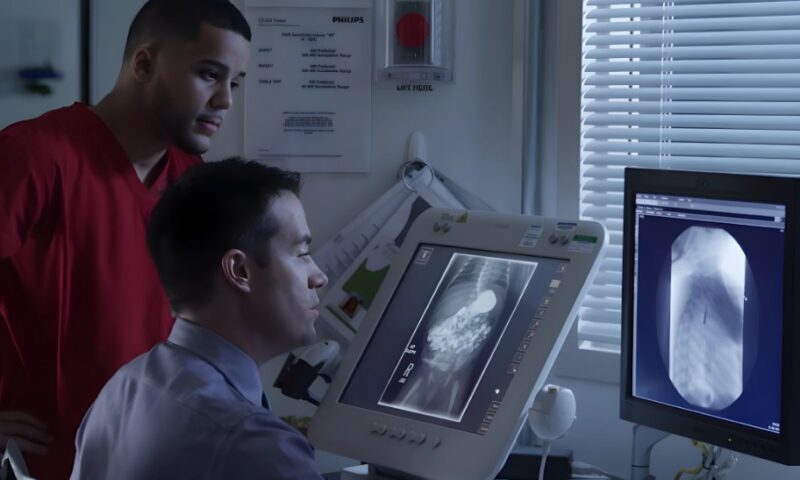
(450, 348)
(707, 308)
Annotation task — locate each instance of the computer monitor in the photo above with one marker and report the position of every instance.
(439, 377)
(709, 309)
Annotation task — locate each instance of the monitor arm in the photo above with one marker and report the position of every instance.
(644, 439)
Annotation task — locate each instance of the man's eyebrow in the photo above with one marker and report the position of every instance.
(214, 63)
(218, 65)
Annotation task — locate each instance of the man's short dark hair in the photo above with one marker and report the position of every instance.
(164, 21)
(212, 208)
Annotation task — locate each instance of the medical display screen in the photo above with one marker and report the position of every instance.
(708, 307)
(453, 336)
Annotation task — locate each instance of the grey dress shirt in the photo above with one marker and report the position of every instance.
(188, 408)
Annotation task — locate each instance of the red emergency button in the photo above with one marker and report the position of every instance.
(412, 30)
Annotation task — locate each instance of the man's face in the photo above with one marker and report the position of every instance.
(284, 291)
(192, 85)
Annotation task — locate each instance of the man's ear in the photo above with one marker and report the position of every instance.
(236, 271)
(143, 64)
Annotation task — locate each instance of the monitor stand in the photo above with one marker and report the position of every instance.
(644, 439)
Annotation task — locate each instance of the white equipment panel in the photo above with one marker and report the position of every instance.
(460, 337)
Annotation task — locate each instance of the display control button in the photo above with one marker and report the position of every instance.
(446, 228)
(553, 238)
(415, 437)
(563, 240)
(379, 428)
(435, 442)
(397, 433)
(436, 227)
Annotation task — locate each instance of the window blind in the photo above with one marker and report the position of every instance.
(708, 85)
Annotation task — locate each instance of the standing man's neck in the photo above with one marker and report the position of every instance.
(132, 128)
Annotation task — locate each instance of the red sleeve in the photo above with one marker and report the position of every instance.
(27, 179)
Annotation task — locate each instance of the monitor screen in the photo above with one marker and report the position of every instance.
(453, 335)
(708, 306)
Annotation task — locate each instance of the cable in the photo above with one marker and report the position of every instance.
(551, 416)
(695, 470)
(545, 453)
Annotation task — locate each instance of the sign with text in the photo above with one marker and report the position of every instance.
(308, 88)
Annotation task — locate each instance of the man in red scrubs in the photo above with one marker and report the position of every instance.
(79, 295)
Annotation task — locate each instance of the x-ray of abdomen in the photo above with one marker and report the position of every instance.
(707, 317)
(442, 363)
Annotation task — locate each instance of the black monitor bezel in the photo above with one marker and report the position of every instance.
(785, 446)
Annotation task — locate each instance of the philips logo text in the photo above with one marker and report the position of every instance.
(348, 19)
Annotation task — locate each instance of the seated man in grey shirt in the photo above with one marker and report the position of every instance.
(231, 245)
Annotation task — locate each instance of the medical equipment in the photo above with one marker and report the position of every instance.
(301, 369)
(709, 312)
(438, 380)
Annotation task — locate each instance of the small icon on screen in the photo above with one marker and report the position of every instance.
(423, 256)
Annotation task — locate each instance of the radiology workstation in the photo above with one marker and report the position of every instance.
(444, 371)
(440, 376)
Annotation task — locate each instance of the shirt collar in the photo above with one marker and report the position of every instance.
(236, 366)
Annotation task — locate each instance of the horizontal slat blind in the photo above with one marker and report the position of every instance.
(690, 84)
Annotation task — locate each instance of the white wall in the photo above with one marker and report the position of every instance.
(34, 32)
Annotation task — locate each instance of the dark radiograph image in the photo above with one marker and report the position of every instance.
(456, 335)
(707, 309)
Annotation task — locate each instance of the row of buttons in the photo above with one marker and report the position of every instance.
(415, 438)
(444, 227)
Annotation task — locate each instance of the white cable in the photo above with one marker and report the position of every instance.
(545, 453)
(550, 417)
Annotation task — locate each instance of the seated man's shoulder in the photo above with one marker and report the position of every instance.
(186, 383)
(264, 443)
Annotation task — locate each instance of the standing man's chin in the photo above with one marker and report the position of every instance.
(194, 146)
